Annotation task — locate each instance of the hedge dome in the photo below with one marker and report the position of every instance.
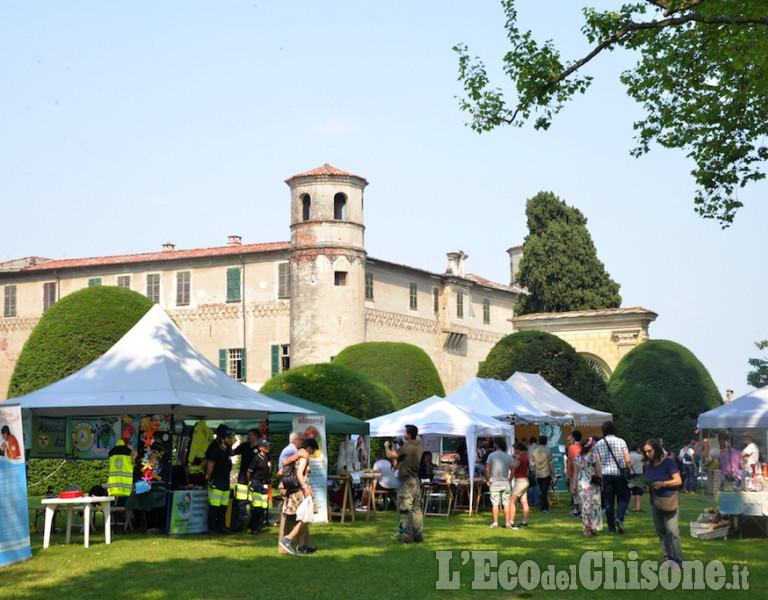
(658, 390)
(552, 358)
(74, 332)
(404, 368)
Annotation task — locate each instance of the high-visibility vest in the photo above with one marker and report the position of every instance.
(120, 479)
(241, 491)
(217, 497)
(202, 436)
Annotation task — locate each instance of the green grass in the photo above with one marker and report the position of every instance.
(358, 559)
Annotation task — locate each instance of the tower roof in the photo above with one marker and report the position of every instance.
(326, 171)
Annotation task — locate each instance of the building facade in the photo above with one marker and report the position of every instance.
(259, 309)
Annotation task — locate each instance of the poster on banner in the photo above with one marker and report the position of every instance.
(92, 437)
(49, 437)
(554, 435)
(14, 510)
(313, 426)
(189, 512)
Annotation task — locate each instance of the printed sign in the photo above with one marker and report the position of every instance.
(49, 438)
(189, 512)
(14, 510)
(313, 426)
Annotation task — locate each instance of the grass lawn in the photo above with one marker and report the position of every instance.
(360, 559)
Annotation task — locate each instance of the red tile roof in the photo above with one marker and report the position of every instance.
(158, 256)
(586, 313)
(326, 171)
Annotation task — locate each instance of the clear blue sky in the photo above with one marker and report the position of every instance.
(124, 125)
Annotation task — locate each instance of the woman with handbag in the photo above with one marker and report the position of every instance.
(664, 478)
(294, 525)
(589, 481)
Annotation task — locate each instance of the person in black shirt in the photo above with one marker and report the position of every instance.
(217, 467)
(246, 450)
(259, 473)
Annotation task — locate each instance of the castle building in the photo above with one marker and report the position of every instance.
(259, 309)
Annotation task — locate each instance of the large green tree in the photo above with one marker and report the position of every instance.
(700, 77)
(404, 368)
(658, 390)
(560, 268)
(74, 332)
(552, 358)
(759, 377)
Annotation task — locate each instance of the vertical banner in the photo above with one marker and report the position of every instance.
(91, 437)
(313, 426)
(554, 435)
(49, 437)
(14, 510)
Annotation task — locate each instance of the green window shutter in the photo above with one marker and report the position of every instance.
(223, 360)
(233, 284)
(275, 359)
(242, 364)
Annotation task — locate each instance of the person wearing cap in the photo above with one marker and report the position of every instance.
(217, 468)
(246, 451)
(258, 474)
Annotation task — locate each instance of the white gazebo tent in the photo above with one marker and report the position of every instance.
(539, 393)
(749, 411)
(152, 369)
(439, 416)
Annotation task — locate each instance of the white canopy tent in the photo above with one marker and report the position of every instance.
(500, 400)
(539, 393)
(440, 416)
(152, 369)
(749, 411)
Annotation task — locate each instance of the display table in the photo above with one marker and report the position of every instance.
(369, 480)
(461, 496)
(437, 499)
(346, 504)
(747, 506)
(70, 505)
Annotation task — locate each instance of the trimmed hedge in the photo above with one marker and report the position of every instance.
(57, 473)
(404, 368)
(73, 333)
(552, 358)
(658, 390)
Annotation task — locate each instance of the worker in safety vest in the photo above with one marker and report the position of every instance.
(246, 451)
(120, 480)
(217, 467)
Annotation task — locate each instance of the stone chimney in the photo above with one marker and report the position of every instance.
(169, 247)
(728, 395)
(234, 240)
(515, 256)
(456, 263)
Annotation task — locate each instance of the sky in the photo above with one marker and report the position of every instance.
(128, 124)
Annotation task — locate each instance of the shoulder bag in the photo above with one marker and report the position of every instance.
(625, 472)
(664, 503)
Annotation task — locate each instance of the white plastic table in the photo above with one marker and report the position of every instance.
(83, 503)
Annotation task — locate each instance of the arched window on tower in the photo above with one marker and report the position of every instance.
(340, 207)
(306, 207)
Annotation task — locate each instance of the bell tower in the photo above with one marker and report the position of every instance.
(327, 264)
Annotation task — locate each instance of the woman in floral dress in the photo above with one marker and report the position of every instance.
(587, 466)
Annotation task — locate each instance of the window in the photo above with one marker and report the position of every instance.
(413, 301)
(153, 287)
(369, 286)
(306, 207)
(232, 362)
(486, 311)
(233, 284)
(460, 305)
(124, 281)
(9, 301)
(436, 301)
(49, 295)
(339, 278)
(94, 281)
(340, 207)
(281, 358)
(284, 280)
(182, 288)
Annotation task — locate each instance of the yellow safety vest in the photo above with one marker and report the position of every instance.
(120, 480)
(202, 436)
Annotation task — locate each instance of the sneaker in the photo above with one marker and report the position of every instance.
(287, 544)
(619, 526)
(361, 508)
(304, 550)
(493, 525)
(545, 512)
(508, 525)
(524, 524)
(575, 512)
(512, 525)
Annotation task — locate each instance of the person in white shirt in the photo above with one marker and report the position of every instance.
(751, 454)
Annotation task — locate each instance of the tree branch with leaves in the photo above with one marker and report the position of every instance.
(702, 79)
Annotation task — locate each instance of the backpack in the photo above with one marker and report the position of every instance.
(290, 478)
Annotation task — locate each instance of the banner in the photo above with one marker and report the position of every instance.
(313, 426)
(48, 438)
(14, 510)
(189, 512)
(554, 435)
(91, 437)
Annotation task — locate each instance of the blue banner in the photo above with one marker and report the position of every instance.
(14, 510)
